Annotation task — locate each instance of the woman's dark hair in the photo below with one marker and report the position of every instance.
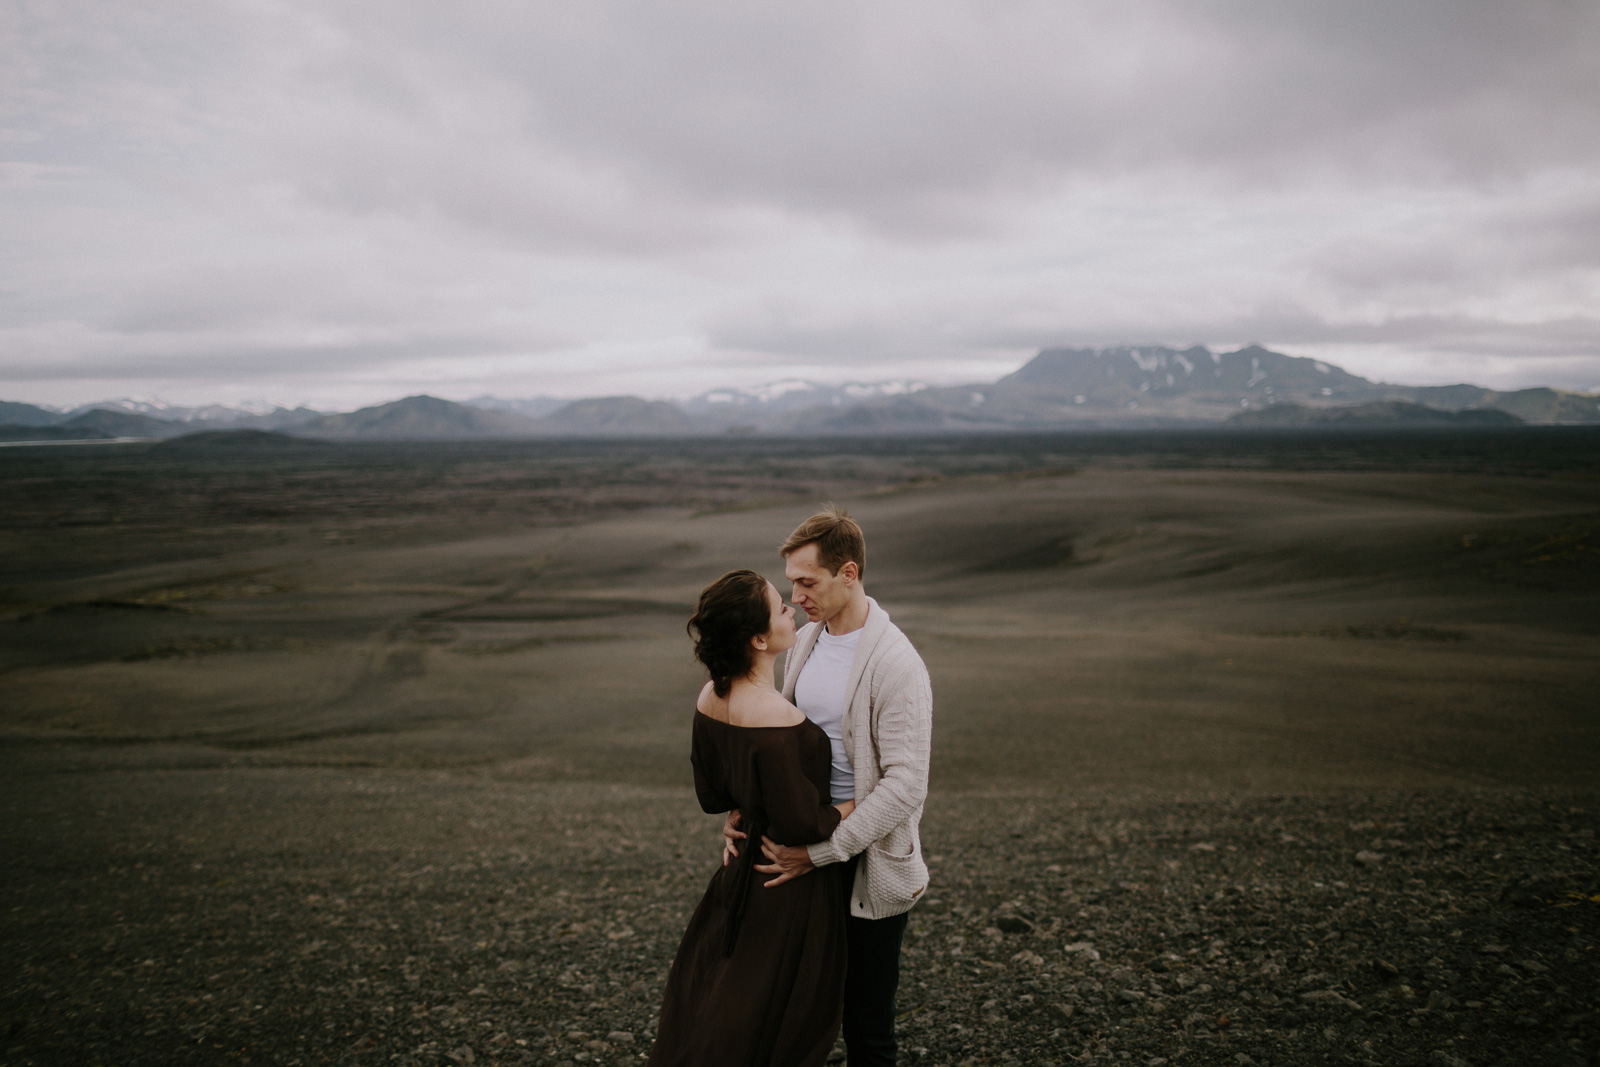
(732, 610)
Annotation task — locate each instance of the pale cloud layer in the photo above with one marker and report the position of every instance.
(343, 202)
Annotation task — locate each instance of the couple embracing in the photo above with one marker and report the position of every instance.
(824, 783)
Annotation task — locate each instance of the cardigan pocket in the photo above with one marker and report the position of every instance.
(893, 880)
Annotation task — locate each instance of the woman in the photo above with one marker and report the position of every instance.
(759, 977)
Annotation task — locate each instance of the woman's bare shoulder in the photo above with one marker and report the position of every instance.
(767, 708)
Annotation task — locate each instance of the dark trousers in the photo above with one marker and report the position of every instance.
(869, 988)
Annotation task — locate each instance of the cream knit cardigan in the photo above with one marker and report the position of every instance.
(888, 727)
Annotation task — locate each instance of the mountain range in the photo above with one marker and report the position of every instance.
(1148, 386)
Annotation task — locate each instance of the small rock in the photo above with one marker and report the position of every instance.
(620, 1037)
(1013, 924)
(1492, 950)
(464, 1054)
(1028, 959)
(1328, 996)
(1131, 996)
(1532, 966)
(1082, 948)
(1202, 846)
(1445, 1059)
(1386, 969)
(1439, 1000)
(1531, 894)
(1368, 858)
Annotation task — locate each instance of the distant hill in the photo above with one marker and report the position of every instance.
(535, 407)
(793, 402)
(418, 418)
(1542, 406)
(1372, 413)
(276, 419)
(121, 424)
(14, 414)
(900, 415)
(238, 442)
(621, 416)
(50, 433)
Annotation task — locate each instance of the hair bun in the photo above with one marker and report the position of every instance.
(732, 610)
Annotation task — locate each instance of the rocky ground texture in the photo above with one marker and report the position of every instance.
(297, 917)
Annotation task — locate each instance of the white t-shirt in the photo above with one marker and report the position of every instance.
(819, 693)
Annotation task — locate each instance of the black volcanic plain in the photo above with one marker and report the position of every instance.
(1269, 747)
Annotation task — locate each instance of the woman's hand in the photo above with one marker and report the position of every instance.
(845, 808)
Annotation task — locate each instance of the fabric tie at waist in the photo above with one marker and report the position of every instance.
(743, 871)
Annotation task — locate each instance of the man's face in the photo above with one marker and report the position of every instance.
(816, 592)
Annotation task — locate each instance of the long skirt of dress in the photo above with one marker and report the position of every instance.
(776, 999)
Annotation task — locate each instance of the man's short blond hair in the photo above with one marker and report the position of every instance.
(837, 537)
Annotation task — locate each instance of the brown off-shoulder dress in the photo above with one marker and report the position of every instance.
(759, 977)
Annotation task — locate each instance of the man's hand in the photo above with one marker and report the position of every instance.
(787, 862)
(731, 836)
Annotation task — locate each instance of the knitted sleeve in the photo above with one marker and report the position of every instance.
(903, 731)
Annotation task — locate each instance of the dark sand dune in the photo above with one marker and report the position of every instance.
(370, 753)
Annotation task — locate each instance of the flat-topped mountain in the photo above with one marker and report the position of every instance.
(1148, 385)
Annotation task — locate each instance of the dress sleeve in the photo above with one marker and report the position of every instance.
(797, 814)
(710, 777)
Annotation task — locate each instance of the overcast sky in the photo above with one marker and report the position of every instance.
(345, 202)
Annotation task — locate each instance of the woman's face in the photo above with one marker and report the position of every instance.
(780, 628)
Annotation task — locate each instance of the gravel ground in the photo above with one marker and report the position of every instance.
(306, 916)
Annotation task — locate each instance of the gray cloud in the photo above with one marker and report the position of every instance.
(264, 362)
(611, 193)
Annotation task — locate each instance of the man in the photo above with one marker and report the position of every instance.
(858, 677)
